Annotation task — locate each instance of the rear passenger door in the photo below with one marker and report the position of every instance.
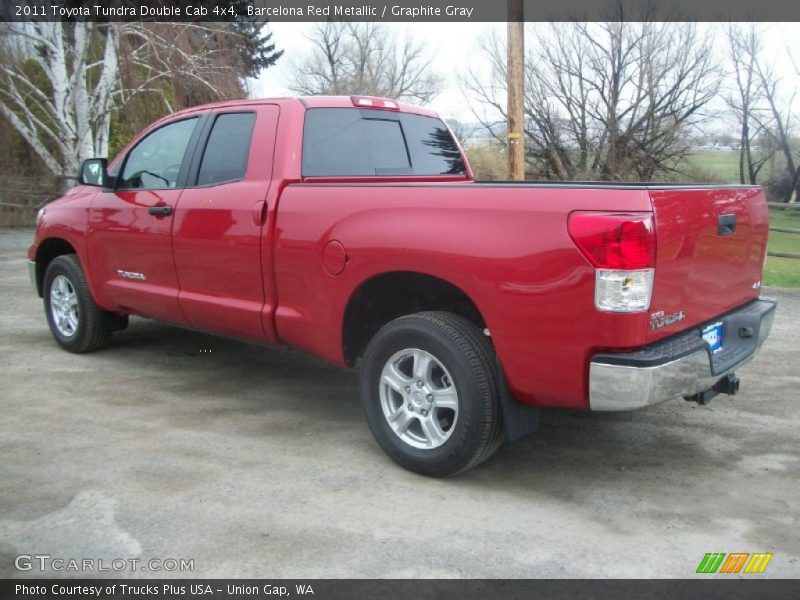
(217, 233)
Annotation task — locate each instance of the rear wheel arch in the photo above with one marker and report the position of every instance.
(382, 298)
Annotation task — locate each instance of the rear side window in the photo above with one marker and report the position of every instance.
(228, 149)
(355, 142)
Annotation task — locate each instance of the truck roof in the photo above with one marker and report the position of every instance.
(307, 102)
(347, 102)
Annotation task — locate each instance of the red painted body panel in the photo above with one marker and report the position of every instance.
(512, 256)
(65, 219)
(215, 266)
(217, 244)
(698, 271)
(122, 235)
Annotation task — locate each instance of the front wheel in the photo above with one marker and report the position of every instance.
(75, 321)
(429, 389)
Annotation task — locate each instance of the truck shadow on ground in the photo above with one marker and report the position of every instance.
(572, 449)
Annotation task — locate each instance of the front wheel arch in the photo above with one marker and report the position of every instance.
(48, 250)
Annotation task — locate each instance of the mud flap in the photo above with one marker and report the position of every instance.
(519, 420)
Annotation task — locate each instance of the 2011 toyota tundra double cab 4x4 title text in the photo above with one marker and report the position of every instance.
(351, 227)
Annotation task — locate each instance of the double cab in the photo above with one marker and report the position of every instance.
(352, 228)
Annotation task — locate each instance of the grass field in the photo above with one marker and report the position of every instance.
(783, 272)
(723, 167)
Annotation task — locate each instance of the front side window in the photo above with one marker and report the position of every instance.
(156, 161)
(357, 142)
(228, 149)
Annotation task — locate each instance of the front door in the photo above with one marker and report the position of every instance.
(130, 227)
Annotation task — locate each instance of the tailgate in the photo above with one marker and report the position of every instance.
(710, 248)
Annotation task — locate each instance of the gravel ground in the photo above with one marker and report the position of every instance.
(257, 462)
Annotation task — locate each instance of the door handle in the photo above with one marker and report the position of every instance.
(260, 213)
(726, 225)
(160, 211)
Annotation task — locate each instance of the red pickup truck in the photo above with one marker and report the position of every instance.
(351, 227)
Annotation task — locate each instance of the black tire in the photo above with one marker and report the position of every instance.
(466, 354)
(94, 326)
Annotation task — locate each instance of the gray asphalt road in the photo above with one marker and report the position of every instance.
(257, 462)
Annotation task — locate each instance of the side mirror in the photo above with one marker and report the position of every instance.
(93, 171)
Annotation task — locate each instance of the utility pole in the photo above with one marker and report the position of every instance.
(516, 91)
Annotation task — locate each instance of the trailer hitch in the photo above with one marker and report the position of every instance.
(728, 385)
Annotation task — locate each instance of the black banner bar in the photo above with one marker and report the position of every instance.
(387, 589)
(396, 10)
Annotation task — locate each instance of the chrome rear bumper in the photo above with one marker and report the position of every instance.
(681, 365)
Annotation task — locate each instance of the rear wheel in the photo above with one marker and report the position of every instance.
(75, 321)
(428, 386)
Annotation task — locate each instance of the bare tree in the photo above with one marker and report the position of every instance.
(778, 127)
(196, 61)
(463, 132)
(762, 105)
(746, 100)
(55, 91)
(608, 100)
(60, 82)
(364, 58)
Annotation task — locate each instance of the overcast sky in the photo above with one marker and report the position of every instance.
(452, 45)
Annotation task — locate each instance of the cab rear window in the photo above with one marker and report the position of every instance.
(340, 142)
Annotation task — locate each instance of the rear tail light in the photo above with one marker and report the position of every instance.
(614, 240)
(622, 248)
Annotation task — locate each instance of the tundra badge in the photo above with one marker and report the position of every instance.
(130, 275)
(659, 319)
